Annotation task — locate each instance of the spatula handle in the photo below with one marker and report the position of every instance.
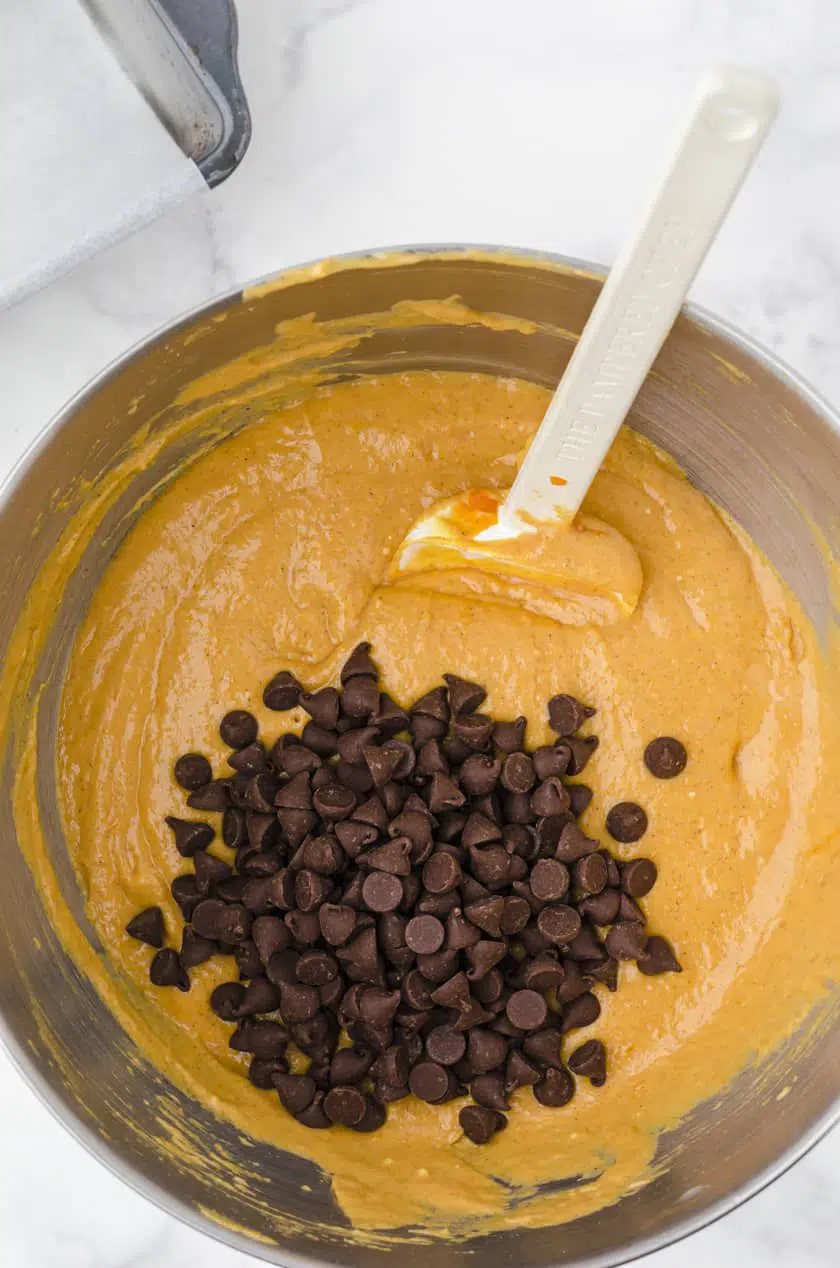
(729, 118)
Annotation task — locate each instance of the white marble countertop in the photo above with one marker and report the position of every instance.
(530, 122)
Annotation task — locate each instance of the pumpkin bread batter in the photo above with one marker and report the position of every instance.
(267, 553)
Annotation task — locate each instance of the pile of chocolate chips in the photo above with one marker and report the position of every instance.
(410, 903)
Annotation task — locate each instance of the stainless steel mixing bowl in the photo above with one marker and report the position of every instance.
(747, 432)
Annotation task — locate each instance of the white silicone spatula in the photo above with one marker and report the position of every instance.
(730, 116)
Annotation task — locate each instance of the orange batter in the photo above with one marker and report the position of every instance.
(267, 553)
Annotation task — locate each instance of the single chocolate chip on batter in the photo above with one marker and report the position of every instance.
(665, 757)
(627, 822)
(238, 728)
(193, 771)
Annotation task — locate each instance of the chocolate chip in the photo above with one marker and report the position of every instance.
(416, 991)
(574, 844)
(166, 969)
(334, 802)
(527, 1010)
(187, 895)
(473, 729)
(390, 718)
(566, 714)
(262, 1072)
(206, 918)
(269, 934)
(580, 1012)
(260, 996)
(518, 773)
(444, 794)
(350, 1065)
(480, 1124)
(442, 873)
(487, 914)
(316, 968)
(434, 704)
(551, 759)
(549, 880)
(454, 992)
(359, 664)
(626, 822)
(555, 1088)
(590, 874)
(238, 728)
(657, 958)
(491, 866)
(520, 1072)
(212, 796)
(580, 795)
(313, 1116)
(542, 973)
(445, 1045)
(479, 829)
(345, 1105)
(282, 693)
(638, 877)
(252, 759)
(382, 891)
(460, 932)
(147, 926)
(590, 1062)
(665, 757)
(626, 940)
(586, 945)
(393, 857)
(559, 923)
(360, 698)
(479, 774)
(630, 911)
(483, 957)
(234, 831)
(192, 771)
(248, 960)
(425, 934)
(490, 1091)
(601, 909)
(424, 729)
(322, 706)
(551, 797)
(195, 949)
(190, 835)
(464, 696)
(296, 1091)
(486, 1050)
(581, 749)
(430, 1082)
(226, 999)
(360, 956)
(605, 971)
(322, 740)
(515, 915)
(510, 736)
(210, 871)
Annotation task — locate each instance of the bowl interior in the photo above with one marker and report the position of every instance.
(745, 433)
